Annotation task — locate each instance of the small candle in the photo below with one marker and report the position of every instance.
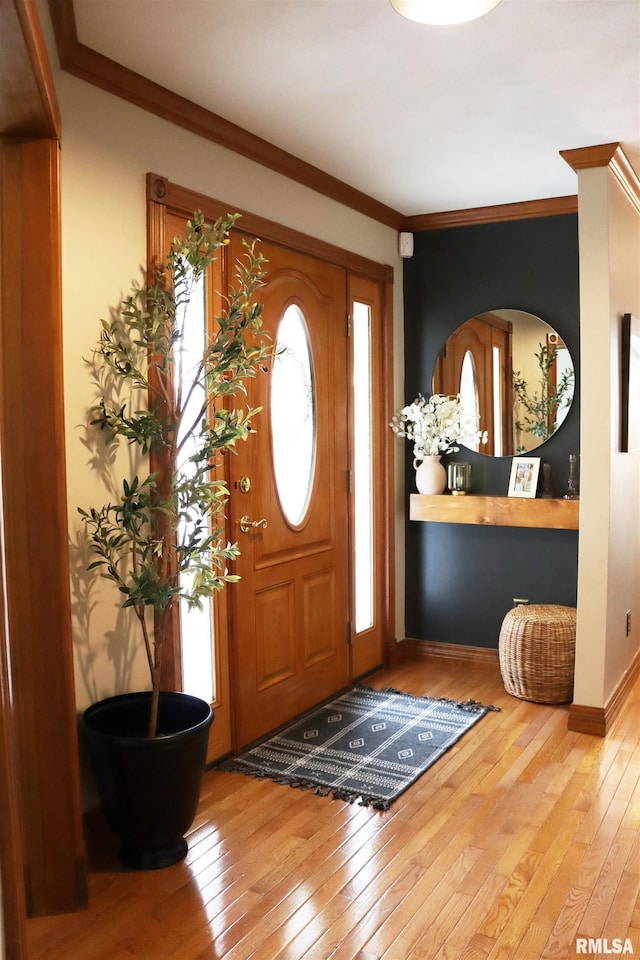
(459, 478)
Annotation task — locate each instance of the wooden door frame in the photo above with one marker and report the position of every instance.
(165, 197)
(36, 533)
(42, 857)
(502, 332)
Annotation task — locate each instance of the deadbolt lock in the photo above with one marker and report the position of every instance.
(245, 485)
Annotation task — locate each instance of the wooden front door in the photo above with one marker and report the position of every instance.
(289, 503)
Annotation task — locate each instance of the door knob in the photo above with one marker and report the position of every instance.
(247, 525)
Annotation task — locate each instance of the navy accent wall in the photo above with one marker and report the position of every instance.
(461, 579)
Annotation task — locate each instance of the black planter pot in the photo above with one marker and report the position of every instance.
(149, 786)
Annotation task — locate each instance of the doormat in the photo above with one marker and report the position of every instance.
(366, 745)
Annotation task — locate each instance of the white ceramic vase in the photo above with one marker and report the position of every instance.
(431, 476)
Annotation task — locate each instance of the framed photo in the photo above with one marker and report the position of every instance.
(524, 476)
(630, 399)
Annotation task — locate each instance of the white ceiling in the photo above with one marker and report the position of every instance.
(422, 118)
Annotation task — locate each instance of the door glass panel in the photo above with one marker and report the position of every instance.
(363, 480)
(293, 416)
(469, 390)
(196, 626)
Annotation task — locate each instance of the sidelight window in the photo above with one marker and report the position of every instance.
(196, 625)
(363, 466)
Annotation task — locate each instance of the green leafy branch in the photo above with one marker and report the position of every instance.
(164, 540)
(541, 408)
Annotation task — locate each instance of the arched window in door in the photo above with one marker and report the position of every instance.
(293, 426)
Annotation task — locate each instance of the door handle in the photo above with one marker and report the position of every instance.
(247, 525)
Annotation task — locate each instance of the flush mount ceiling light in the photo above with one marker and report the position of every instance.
(443, 11)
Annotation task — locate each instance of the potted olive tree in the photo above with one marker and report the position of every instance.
(164, 540)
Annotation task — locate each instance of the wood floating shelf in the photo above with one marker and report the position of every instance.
(495, 511)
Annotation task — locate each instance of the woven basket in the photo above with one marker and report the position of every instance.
(537, 652)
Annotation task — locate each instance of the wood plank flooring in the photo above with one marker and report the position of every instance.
(521, 839)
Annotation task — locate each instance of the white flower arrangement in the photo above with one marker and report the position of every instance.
(437, 426)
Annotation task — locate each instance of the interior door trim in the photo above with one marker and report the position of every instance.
(180, 200)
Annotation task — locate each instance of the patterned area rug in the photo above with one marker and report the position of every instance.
(366, 745)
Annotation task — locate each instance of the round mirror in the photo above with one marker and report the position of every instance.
(513, 371)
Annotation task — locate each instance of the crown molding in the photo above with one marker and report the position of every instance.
(522, 210)
(609, 155)
(584, 157)
(96, 69)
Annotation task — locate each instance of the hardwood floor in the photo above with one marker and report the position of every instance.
(521, 839)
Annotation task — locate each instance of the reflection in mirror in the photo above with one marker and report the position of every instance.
(514, 372)
(469, 390)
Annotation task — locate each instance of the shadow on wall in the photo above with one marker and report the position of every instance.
(105, 660)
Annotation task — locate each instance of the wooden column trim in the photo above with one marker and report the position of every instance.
(36, 529)
(34, 674)
(607, 155)
(582, 158)
(13, 893)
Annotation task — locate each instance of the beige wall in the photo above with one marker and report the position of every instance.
(609, 550)
(108, 146)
